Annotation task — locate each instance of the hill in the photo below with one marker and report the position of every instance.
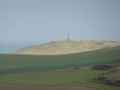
(66, 47)
(23, 63)
(59, 69)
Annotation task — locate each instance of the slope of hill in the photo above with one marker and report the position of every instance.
(66, 47)
(20, 69)
(110, 78)
(23, 69)
(23, 63)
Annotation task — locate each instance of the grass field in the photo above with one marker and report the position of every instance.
(21, 69)
(25, 63)
(57, 77)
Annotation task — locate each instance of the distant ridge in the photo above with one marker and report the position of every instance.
(66, 47)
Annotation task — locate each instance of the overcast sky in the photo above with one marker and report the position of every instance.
(50, 20)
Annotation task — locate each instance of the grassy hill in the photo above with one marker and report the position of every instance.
(42, 69)
(23, 63)
(66, 47)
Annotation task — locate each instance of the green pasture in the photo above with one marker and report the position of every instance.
(42, 69)
(57, 77)
(27, 63)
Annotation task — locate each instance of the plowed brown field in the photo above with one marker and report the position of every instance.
(31, 87)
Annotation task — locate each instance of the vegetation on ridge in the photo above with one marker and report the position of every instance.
(66, 47)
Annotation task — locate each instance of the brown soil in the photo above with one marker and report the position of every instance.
(31, 87)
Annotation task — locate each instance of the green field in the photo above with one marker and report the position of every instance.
(22, 68)
(58, 77)
(51, 77)
(25, 63)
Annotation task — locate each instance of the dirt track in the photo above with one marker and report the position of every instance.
(30, 87)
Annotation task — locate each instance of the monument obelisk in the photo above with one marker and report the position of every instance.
(68, 36)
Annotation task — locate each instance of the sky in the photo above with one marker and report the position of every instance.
(50, 20)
